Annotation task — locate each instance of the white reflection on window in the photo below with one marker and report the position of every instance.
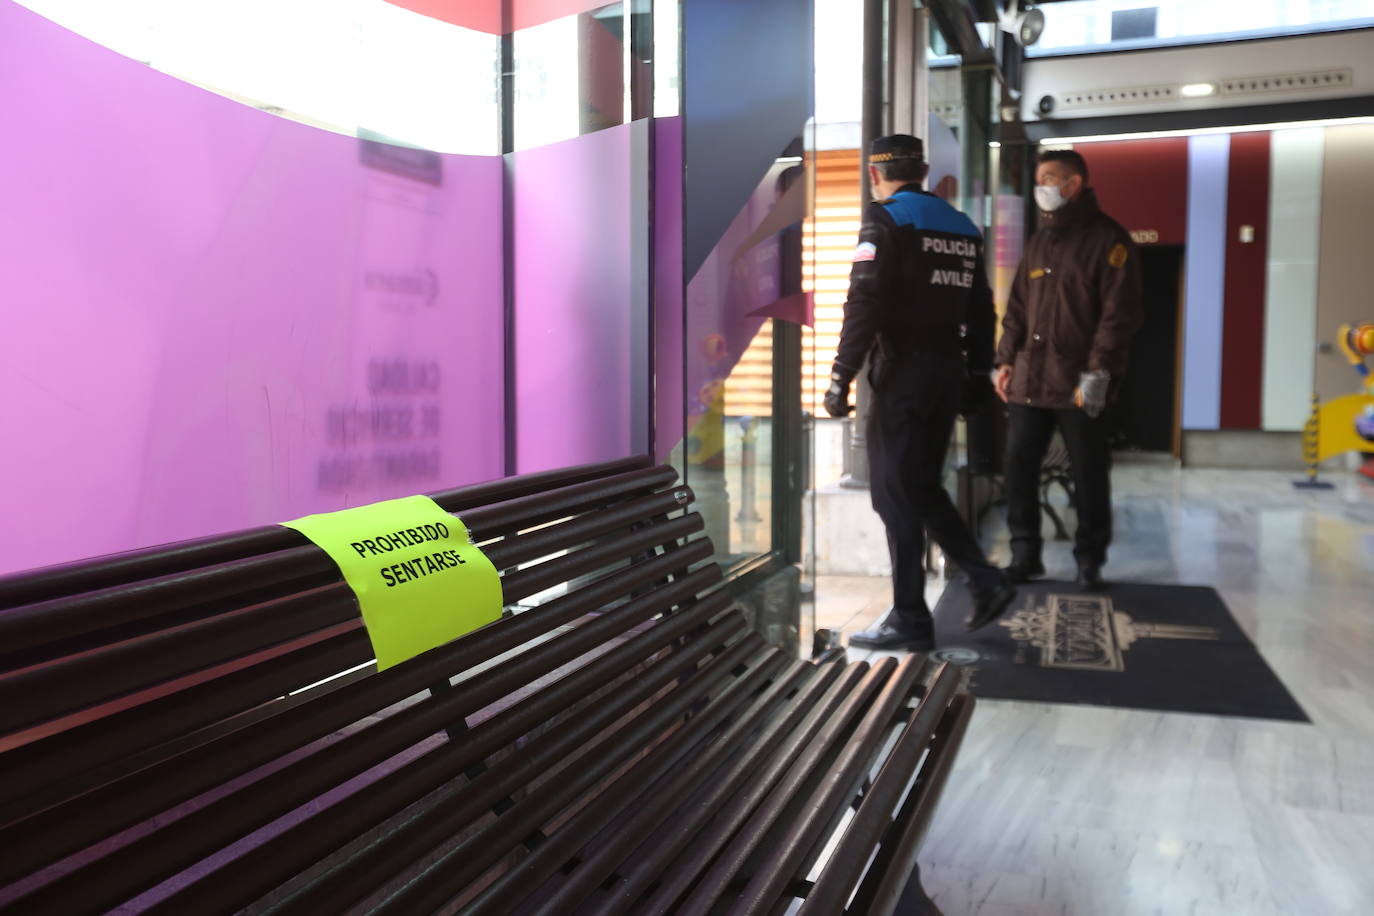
(340, 64)
(546, 83)
(839, 62)
(1088, 23)
(667, 82)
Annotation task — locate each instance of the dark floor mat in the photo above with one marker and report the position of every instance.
(1166, 647)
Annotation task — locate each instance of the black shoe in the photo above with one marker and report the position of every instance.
(1022, 571)
(989, 603)
(1090, 577)
(892, 632)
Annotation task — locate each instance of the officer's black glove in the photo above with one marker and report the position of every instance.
(978, 393)
(837, 395)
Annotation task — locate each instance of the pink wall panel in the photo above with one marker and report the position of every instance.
(579, 335)
(217, 318)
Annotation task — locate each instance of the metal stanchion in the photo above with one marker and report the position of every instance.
(1311, 448)
(748, 471)
(856, 456)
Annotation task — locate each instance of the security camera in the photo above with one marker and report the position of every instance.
(1023, 21)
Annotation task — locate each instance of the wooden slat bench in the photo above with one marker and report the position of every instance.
(200, 728)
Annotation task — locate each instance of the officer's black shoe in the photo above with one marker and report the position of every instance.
(892, 632)
(1090, 577)
(989, 602)
(1019, 572)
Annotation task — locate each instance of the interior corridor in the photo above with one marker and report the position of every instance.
(1057, 809)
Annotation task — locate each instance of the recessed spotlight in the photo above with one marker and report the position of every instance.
(1198, 90)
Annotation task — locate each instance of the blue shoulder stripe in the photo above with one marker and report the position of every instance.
(925, 211)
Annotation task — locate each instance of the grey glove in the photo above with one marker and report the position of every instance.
(837, 395)
(1091, 393)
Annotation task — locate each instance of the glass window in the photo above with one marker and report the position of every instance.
(1080, 25)
(737, 304)
(592, 71)
(546, 83)
(360, 67)
(667, 55)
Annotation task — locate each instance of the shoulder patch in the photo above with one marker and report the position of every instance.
(866, 251)
(1118, 255)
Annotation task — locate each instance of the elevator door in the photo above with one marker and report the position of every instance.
(1146, 413)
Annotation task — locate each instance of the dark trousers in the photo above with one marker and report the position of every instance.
(1028, 436)
(908, 436)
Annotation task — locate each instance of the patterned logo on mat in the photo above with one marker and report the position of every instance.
(1086, 633)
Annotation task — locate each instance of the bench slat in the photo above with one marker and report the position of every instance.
(51, 690)
(464, 864)
(57, 688)
(384, 856)
(64, 829)
(625, 809)
(717, 880)
(61, 757)
(836, 882)
(787, 860)
(706, 827)
(886, 878)
(134, 566)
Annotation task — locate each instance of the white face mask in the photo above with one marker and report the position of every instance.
(1048, 197)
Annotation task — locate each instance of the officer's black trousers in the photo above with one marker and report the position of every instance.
(908, 436)
(1029, 430)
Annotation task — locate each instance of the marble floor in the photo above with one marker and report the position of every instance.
(1083, 810)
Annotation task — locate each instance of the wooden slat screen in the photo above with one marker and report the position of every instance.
(827, 251)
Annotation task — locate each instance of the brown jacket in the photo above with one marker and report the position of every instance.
(1074, 305)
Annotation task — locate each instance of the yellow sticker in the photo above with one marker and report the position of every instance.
(420, 580)
(1037, 273)
(1118, 255)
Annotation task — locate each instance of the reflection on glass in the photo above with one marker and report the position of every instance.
(1093, 23)
(592, 71)
(666, 57)
(246, 319)
(745, 285)
(545, 98)
(359, 66)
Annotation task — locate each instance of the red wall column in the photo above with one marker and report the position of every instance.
(1242, 349)
(1143, 185)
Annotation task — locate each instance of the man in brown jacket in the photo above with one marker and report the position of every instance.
(1066, 336)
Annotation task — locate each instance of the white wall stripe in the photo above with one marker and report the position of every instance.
(1290, 299)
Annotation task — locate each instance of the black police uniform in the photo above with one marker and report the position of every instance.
(920, 308)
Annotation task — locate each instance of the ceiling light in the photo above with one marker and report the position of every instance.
(1198, 90)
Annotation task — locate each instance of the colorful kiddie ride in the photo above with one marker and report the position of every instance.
(1346, 423)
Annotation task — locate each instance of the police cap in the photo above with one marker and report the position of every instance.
(895, 146)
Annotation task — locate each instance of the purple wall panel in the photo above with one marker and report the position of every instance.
(218, 318)
(670, 423)
(575, 323)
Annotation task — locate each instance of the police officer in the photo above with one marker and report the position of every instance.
(920, 310)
